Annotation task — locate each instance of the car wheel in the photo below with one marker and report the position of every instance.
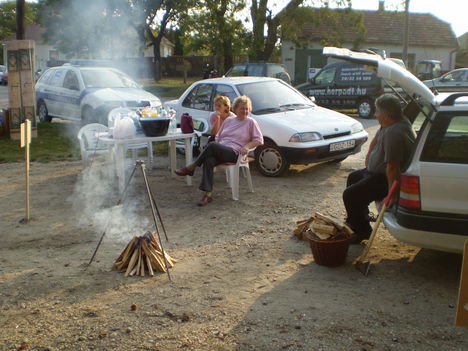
(87, 115)
(42, 112)
(270, 161)
(366, 108)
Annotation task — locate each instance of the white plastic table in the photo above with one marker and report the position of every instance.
(117, 147)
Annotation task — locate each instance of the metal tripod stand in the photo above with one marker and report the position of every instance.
(158, 222)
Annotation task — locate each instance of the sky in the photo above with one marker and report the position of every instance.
(454, 12)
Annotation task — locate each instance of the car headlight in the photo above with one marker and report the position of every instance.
(356, 128)
(304, 137)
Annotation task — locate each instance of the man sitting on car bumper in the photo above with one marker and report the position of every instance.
(388, 153)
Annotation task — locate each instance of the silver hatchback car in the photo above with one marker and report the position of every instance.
(87, 93)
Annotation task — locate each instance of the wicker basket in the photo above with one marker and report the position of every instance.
(330, 253)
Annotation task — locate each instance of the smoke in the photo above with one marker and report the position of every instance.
(94, 202)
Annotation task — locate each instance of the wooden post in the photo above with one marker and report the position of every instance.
(25, 141)
(462, 305)
(20, 56)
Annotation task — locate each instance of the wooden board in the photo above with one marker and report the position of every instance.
(462, 305)
(22, 96)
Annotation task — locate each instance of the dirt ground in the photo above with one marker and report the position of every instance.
(242, 280)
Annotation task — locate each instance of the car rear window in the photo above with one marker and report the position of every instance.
(447, 141)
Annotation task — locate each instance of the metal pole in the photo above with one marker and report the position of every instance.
(406, 35)
(20, 4)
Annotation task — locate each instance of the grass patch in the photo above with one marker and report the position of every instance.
(54, 143)
(167, 87)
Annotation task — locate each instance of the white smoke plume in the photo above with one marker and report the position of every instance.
(95, 199)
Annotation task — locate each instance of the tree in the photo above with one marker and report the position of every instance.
(289, 22)
(214, 29)
(86, 28)
(150, 19)
(262, 46)
(8, 19)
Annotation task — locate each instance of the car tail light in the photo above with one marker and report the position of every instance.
(410, 196)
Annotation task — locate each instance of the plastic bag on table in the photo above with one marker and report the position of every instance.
(124, 128)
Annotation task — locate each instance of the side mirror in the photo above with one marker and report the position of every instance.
(312, 98)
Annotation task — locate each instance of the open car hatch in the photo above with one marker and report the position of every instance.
(386, 69)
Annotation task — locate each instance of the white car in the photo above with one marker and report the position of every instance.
(432, 210)
(295, 130)
(87, 94)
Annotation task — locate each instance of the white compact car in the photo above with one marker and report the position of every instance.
(432, 210)
(295, 130)
(87, 94)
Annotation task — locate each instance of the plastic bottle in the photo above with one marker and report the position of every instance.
(173, 122)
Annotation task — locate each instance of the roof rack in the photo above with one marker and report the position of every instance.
(449, 101)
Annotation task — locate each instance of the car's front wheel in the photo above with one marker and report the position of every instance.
(366, 108)
(270, 160)
(87, 115)
(42, 112)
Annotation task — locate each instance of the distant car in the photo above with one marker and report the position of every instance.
(296, 131)
(251, 69)
(432, 210)
(87, 94)
(456, 80)
(3, 75)
(346, 85)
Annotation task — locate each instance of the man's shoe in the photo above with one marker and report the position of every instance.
(358, 237)
(205, 200)
(184, 171)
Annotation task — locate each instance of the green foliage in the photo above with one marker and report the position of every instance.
(8, 17)
(215, 29)
(53, 144)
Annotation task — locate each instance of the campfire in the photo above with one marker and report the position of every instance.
(143, 255)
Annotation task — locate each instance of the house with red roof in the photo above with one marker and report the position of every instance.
(430, 38)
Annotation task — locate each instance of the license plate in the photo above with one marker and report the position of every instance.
(343, 145)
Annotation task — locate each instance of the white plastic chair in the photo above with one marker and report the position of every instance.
(89, 141)
(117, 113)
(201, 128)
(232, 174)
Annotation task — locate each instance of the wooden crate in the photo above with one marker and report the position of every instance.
(22, 96)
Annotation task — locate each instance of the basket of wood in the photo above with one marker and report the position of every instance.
(143, 255)
(329, 239)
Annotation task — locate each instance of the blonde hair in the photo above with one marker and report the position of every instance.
(242, 100)
(224, 100)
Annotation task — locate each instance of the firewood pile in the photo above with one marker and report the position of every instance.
(325, 227)
(143, 255)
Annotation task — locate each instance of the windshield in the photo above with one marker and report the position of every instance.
(106, 78)
(273, 96)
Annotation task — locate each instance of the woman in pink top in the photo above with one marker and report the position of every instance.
(235, 136)
(222, 111)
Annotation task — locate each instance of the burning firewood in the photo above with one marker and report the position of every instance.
(142, 255)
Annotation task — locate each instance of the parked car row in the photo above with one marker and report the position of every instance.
(3, 75)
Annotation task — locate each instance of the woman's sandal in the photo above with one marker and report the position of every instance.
(205, 200)
(184, 171)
